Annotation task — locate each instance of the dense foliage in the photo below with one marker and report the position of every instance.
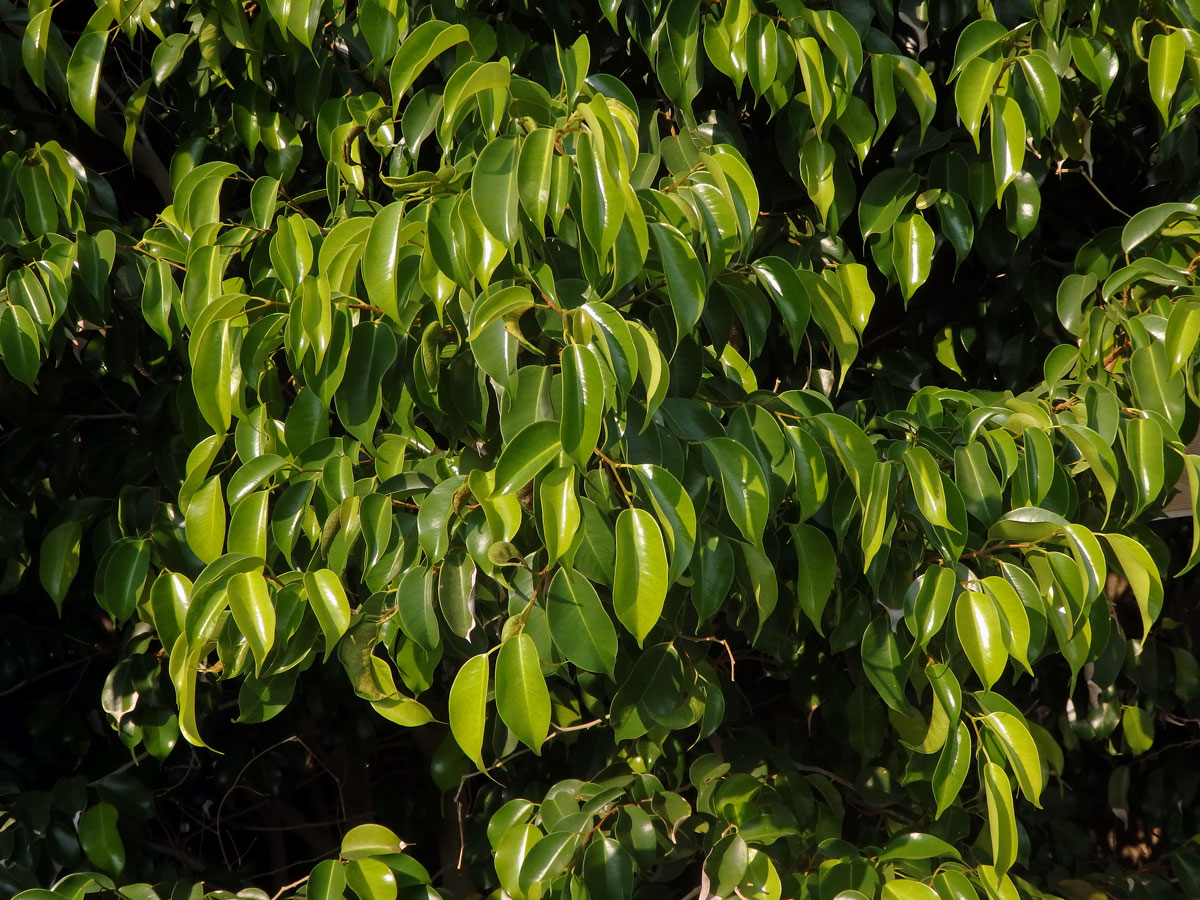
(631, 448)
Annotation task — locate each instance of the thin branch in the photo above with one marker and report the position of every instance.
(287, 887)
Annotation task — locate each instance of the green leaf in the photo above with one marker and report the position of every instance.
(1164, 69)
(927, 484)
(916, 845)
(34, 44)
(972, 90)
(1008, 141)
(254, 614)
(1182, 335)
(100, 838)
(1191, 465)
(1138, 727)
(328, 600)
(213, 374)
(494, 189)
(608, 870)
(468, 707)
(418, 50)
(370, 840)
(83, 68)
(1021, 750)
(530, 451)
(640, 573)
(979, 631)
(1002, 821)
(744, 486)
(327, 881)
(952, 767)
(582, 403)
(1148, 222)
(373, 350)
(816, 571)
(601, 208)
(19, 344)
(1043, 83)
(979, 36)
(912, 252)
(885, 197)
(58, 560)
(1014, 619)
(1144, 450)
(1141, 572)
(779, 279)
(502, 303)
(560, 511)
(675, 513)
(977, 481)
(580, 627)
(904, 889)
(204, 521)
(1100, 459)
(1155, 390)
(522, 699)
(886, 666)
(683, 274)
(547, 858)
(534, 169)
(371, 879)
(927, 601)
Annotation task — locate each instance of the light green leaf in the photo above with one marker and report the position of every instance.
(494, 189)
(418, 50)
(981, 635)
(58, 560)
(83, 68)
(1021, 750)
(1141, 572)
(582, 403)
(204, 521)
(972, 90)
(468, 707)
(530, 451)
(952, 767)
(496, 304)
(328, 600)
(1008, 141)
(640, 574)
(560, 511)
(254, 614)
(1002, 821)
(1165, 68)
(927, 484)
(522, 699)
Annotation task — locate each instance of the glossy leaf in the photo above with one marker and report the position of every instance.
(521, 696)
(640, 575)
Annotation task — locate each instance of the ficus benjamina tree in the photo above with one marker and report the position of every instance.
(636, 448)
